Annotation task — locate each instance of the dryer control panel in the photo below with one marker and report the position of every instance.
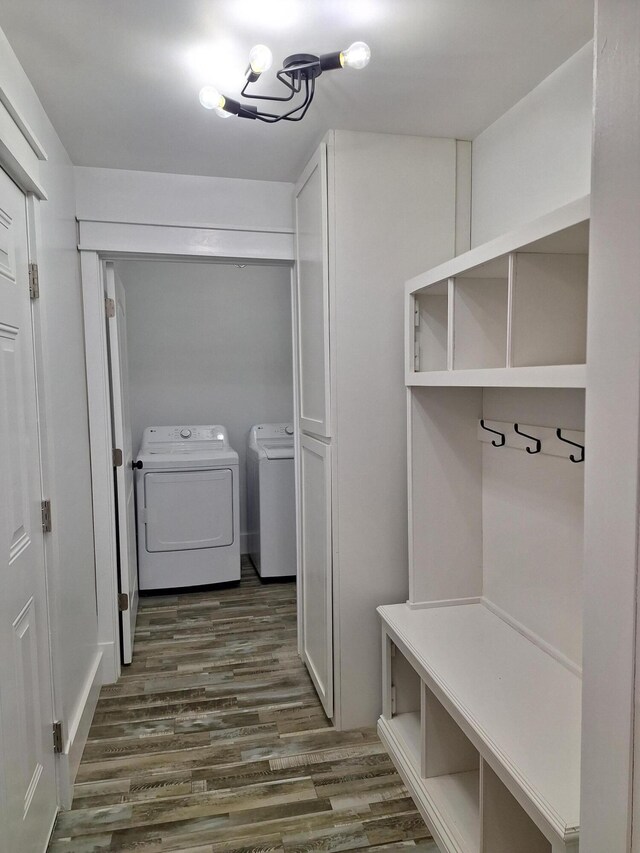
(263, 431)
(213, 433)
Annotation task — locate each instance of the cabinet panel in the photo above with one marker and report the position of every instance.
(312, 270)
(316, 570)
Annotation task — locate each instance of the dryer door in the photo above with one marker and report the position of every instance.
(188, 509)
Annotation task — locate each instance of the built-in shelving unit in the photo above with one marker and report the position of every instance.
(482, 666)
(490, 695)
(516, 304)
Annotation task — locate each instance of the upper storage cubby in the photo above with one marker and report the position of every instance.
(431, 324)
(512, 312)
(480, 305)
(548, 309)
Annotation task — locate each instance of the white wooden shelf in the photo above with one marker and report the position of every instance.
(407, 729)
(548, 234)
(517, 705)
(457, 798)
(450, 803)
(554, 376)
(516, 303)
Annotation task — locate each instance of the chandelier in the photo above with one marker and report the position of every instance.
(298, 74)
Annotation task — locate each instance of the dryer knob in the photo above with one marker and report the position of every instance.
(185, 433)
(288, 430)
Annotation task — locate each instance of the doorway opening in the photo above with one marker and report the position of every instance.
(203, 349)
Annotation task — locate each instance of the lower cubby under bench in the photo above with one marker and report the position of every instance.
(483, 725)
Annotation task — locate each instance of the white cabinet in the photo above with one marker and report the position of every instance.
(317, 589)
(492, 631)
(371, 210)
(312, 275)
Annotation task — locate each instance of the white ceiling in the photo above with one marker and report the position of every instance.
(120, 78)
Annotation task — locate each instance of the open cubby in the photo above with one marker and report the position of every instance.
(451, 771)
(480, 312)
(506, 827)
(549, 309)
(432, 327)
(405, 704)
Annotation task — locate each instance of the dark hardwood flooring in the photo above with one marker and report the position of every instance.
(214, 740)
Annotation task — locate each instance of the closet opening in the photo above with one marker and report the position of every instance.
(201, 373)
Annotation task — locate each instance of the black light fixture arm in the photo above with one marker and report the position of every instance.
(298, 71)
(298, 74)
(270, 118)
(251, 78)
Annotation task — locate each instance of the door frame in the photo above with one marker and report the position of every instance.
(99, 243)
(20, 156)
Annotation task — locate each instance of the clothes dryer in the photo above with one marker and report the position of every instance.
(187, 504)
(271, 503)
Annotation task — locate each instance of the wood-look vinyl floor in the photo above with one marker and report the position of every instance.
(214, 740)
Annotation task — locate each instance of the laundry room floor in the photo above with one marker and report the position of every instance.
(214, 740)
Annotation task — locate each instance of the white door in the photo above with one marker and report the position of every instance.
(27, 763)
(317, 585)
(312, 270)
(126, 519)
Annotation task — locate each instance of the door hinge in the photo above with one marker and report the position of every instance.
(58, 745)
(394, 699)
(110, 307)
(46, 516)
(117, 457)
(34, 282)
(123, 601)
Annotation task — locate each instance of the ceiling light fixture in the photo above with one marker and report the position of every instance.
(298, 74)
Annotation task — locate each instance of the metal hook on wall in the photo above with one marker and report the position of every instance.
(538, 443)
(495, 443)
(575, 444)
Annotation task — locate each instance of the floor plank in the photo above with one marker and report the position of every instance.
(214, 740)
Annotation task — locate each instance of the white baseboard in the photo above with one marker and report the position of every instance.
(110, 662)
(77, 730)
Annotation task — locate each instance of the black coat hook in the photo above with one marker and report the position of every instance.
(538, 446)
(567, 441)
(495, 443)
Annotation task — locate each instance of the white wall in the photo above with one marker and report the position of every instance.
(70, 547)
(209, 343)
(117, 195)
(537, 156)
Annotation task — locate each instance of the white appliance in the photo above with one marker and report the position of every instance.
(187, 497)
(271, 500)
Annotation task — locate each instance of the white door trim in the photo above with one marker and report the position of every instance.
(129, 242)
(20, 155)
(48, 710)
(125, 238)
(20, 149)
(75, 720)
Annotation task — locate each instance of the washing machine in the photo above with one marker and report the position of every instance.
(271, 500)
(188, 506)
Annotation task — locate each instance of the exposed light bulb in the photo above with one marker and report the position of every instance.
(223, 113)
(260, 58)
(356, 56)
(210, 98)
